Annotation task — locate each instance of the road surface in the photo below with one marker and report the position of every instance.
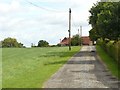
(83, 70)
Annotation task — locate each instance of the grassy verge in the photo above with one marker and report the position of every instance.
(0, 68)
(111, 64)
(31, 67)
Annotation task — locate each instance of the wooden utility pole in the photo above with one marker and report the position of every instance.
(69, 29)
(81, 34)
(78, 37)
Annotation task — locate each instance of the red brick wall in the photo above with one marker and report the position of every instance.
(85, 40)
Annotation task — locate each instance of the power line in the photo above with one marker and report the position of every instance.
(46, 9)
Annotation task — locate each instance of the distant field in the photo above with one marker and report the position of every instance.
(31, 67)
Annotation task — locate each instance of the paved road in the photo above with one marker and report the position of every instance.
(84, 70)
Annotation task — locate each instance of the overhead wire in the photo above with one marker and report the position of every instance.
(46, 9)
(52, 10)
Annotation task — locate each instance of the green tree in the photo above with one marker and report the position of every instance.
(20, 45)
(43, 43)
(94, 11)
(105, 19)
(93, 35)
(11, 42)
(75, 41)
(108, 21)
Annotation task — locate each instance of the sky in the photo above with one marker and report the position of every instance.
(32, 20)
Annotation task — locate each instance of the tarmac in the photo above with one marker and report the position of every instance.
(83, 70)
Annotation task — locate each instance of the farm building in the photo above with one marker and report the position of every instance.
(85, 41)
(64, 42)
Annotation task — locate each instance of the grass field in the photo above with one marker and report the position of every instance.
(31, 67)
(112, 65)
(0, 68)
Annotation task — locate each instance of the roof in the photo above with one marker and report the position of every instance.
(85, 40)
(65, 41)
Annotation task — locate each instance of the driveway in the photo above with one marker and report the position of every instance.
(83, 70)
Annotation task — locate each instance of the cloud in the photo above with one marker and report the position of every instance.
(28, 23)
(8, 8)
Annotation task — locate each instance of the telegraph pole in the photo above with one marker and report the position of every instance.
(69, 29)
(81, 34)
(78, 37)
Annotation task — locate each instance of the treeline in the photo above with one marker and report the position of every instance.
(75, 41)
(11, 42)
(41, 43)
(105, 22)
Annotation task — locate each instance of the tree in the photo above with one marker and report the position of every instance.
(43, 43)
(20, 45)
(105, 19)
(75, 41)
(93, 35)
(11, 42)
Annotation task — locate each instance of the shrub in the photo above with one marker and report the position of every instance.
(113, 49)
(118, 51)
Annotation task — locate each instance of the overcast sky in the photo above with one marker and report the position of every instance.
(32, 20)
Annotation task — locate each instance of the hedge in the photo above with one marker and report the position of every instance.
(113, 49)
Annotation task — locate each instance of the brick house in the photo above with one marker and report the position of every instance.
(85, 41)
(64, 42)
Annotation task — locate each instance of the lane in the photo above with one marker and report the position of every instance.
(83, 71)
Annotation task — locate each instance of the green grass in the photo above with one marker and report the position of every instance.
(111, 64)
(0, 68)
(31, 67)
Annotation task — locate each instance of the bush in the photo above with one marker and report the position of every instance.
(11, 42)
(113, 49)
(118, 51)
(43, 43)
